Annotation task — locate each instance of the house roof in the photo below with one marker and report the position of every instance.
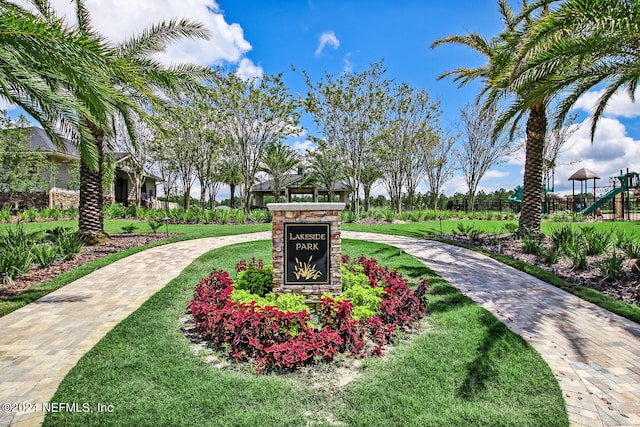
(40, 141)
(294, 180)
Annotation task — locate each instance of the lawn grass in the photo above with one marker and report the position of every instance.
(188, 232)
(467, 368)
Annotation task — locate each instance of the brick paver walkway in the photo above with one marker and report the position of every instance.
(592, 352)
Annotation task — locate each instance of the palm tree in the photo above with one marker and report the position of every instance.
(138, 80)
(497, 74)
(231, 174)
(324, 168)
(54, 73)
(278, 159)
(577, 46)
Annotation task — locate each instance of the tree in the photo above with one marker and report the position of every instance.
(324, 167)
(138, 80)
(370, 174)
(116, 80)
(54, 72)
(21, 169)
(439, 165)
(576, 47)
(165, 163)
(349, 112)
(480, 151)
(231, 174)
(504, 61)
(277, 161)
(411, 118)
(256, 113)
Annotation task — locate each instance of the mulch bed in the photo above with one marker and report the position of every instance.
(118, 242)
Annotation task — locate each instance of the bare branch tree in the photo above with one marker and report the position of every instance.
(479, 150)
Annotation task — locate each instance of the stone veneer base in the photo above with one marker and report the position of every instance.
(306, 213)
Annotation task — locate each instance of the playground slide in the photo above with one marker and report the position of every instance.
(601, 201)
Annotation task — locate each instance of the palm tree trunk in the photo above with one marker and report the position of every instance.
(91, 216)
(530, 215)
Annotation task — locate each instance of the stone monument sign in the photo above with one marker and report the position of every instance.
(307, 253)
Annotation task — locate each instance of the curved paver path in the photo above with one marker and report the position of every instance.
(591, 351)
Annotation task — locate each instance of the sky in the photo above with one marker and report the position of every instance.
(261, 37)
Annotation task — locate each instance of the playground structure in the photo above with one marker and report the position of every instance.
(628, 189)
(621, 201)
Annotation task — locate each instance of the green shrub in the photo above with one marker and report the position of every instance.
(596, 241)
(351, 278)
(69, 244)
(115, 210)
(44, 254)
(72, 212)
(562, 235)
(550, 255)
(349, 217)
(578, 256)
(628, 244)
(389, 216)
(30, 214)
(531, 244)
(291, 302)
(285, 302)
(224, 215)
(611, 267)
(239, 216)
(15, 260)
(5, 214)
(365, 299)
(129, 228)
(511, 227)
(256, 280)
(155, 226)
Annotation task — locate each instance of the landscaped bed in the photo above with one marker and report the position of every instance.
(464, 368)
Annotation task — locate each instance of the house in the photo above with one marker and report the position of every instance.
(63, 182)
(296, 184)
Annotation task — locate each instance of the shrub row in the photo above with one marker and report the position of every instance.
(283, 340)
(20, 251)
(578, 244)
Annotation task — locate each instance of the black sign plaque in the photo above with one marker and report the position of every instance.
(306, 254)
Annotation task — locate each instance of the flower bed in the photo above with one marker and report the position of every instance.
(283, 340)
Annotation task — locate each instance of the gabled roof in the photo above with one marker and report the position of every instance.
(39, 141)
(294, 180)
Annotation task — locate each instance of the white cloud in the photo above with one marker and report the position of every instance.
(327, 38)
(118, 20)
(612, 150)
(348, 66)
(491, 174)
(302, 146)
(620, 105)
(247, 70)
(5, 105)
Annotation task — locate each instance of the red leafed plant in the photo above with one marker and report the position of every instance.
(283, 341)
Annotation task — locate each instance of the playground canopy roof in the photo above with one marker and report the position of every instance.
(583, 174)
